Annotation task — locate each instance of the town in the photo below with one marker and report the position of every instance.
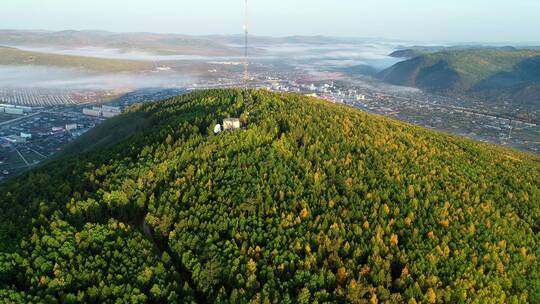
(37, 123)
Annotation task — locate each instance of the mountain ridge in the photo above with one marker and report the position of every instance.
(494, 74)
(141, 41)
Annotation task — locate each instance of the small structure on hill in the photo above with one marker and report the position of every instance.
(217, 129)
(231, 124)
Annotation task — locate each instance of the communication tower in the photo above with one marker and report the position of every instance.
(246, 59)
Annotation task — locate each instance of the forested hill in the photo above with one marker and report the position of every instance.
(310, 202)
(496, 74)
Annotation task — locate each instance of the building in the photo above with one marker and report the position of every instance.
(163, 68)
(103, 111)
(108, 114)
(15, 111)
(111, 109)
(231, 124)
(24, 108)
(26, 135)
(78, 132)
(14, 139)
(70, 127)
(360, 97)
(92, 112)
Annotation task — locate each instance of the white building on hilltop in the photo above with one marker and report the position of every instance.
(231, 124)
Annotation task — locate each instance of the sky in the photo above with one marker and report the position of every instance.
(415, 20)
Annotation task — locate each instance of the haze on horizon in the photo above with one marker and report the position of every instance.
(485, 21)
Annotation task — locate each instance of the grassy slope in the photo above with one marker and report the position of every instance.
(107, 134)
(12, 56)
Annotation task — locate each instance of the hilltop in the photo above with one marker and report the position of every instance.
(417, 50)
(498, 74)
(406, 53)
(309, 202)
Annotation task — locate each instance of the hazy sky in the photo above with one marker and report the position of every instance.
(427, 20)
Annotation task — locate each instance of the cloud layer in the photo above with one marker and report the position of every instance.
(60, 78)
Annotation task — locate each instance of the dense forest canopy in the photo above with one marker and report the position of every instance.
(309, 202)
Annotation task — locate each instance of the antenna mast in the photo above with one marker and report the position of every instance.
(246, 61)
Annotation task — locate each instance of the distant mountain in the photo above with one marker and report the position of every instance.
(492, 73)
(406, 53)
(309, 202)
(307, 40)
(14, 56)
(159, 43)
(414, 51)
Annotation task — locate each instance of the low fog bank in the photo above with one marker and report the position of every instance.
(331, 55)
(110, 53)
(61, 78)
(335, 55)
(384, 87)
(390, 88)
(361, 81)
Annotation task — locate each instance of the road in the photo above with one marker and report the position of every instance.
(22, 157)
(5, 123)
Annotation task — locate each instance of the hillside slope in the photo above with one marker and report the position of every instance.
(14, 56)
(498, 74)
(309, 203)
